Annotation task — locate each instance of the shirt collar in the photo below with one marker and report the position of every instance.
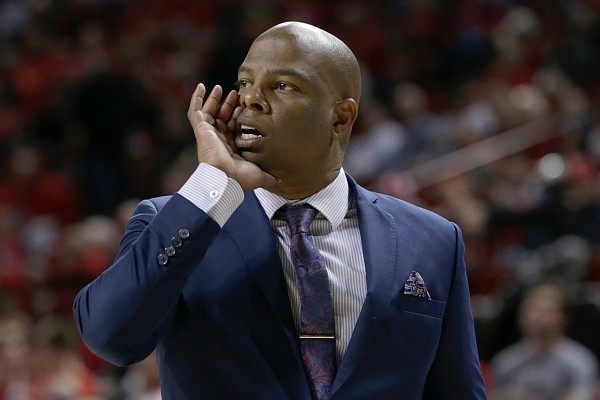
(331, 201)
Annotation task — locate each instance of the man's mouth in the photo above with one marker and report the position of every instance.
(248, 137)
(248, 132)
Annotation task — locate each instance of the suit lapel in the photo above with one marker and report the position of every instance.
(378, 237)
(251, 231)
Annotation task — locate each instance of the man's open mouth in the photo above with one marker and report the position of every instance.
(248, 132)
(249, 138)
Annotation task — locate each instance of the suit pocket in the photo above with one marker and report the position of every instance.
(419, 305)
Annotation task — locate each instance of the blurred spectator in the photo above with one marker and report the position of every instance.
(570, 204)
(545, 364)
(381, 140)
(38, 361)
(116, 117)
(32, 189)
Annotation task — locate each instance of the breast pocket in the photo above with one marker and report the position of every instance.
(416, 327)
(421, 306)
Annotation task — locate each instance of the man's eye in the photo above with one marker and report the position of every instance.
(242, 83)
(284, 86)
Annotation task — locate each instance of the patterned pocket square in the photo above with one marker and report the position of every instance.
(415, 286)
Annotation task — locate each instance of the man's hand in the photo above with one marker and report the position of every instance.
(214, 129)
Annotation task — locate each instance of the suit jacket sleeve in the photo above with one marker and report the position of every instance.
(123, 313)
(456, 373)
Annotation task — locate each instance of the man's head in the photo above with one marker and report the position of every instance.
(299, 93)
(543, 314)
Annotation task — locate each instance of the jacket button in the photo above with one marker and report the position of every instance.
(170, 251)
(162, 259)
(177, 242)
(184, 233)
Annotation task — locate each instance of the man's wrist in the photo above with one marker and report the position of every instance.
(213, 192)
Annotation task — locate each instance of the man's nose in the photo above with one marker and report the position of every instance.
(254, 99)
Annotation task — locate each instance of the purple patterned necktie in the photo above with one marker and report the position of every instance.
(317, 333)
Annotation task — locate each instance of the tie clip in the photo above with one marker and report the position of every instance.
(317, 337)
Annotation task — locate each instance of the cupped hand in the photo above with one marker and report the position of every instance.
(214, 128)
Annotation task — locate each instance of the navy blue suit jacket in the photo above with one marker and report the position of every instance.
(219, 318)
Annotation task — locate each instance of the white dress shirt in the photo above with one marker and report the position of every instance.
(334, 231)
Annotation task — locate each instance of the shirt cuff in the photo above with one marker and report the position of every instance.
(212, 191)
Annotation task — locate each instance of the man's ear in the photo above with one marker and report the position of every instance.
(346, 111)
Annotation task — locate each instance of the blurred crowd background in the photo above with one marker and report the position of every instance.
(485, 111)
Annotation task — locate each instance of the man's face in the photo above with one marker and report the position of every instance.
(541, 314)
(287, 117)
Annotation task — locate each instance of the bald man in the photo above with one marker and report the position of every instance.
(207, 279)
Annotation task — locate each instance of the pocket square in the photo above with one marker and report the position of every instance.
(415, 286)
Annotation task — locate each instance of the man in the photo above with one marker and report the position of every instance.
(545, 364)
(206, 276)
